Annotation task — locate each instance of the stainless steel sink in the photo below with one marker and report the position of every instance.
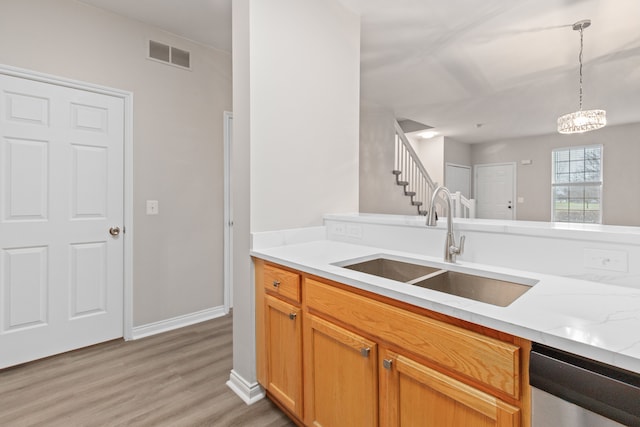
(490, 288)
(392, 269)
(478, 288)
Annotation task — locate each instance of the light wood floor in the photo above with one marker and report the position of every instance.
(173, 379)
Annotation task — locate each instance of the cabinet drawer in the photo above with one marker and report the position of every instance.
(490, 361)
(282, 283)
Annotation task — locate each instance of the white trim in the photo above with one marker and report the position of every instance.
(250, 393)
(228, 213)
(177, 322)
(127, 98)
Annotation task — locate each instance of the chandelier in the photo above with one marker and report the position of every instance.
(582, 120)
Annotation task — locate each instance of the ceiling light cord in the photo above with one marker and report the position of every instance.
(580, 60)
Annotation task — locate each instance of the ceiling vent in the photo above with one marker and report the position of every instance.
(169, 54)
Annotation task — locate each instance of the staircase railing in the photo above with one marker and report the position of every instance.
(413, 176)
(463, 207)
(411, 173)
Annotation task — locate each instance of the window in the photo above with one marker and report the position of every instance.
(576, 184)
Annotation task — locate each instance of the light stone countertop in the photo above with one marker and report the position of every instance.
(594, 320)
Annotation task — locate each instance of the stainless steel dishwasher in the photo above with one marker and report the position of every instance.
(572, 391)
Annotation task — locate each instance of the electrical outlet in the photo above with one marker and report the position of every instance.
(601, 259)
(152, 207)
(338, 229)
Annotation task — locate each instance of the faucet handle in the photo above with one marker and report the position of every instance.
(457, 250)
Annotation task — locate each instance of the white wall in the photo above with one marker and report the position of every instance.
(178, 139)
(431, 154)
(621, 154)
(305, 82)
(296, 101)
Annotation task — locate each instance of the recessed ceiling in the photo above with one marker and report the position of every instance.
(509, 66)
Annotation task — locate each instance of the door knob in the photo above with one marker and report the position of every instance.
(114, 231)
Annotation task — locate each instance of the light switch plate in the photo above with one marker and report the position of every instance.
(601, 259)
(152, 207)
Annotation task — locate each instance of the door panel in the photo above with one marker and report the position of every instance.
(25, 288)
(25, 193)
(61, 189)
(418, 396)
(495, 191)
(340, 377)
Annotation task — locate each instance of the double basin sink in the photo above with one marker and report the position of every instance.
(490, 288)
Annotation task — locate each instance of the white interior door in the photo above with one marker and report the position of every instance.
(495, 191)
(458, 178)
(61, 191)
(228, 213)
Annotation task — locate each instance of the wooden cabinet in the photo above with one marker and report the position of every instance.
(414, 395)
(279, 336)
(284, 353)
(341, 376)
(361, 359)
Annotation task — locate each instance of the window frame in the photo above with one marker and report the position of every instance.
(584, 184)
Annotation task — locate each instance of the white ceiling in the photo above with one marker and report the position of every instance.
(204, 21)
(510, 66)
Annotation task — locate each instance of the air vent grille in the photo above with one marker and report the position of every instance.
(169, 54)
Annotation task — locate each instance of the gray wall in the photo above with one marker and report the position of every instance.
(378, 190)
(621, 154)
(456, 152)
(177, 137)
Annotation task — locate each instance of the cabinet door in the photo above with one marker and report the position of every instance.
(341, 380)
(413, 395)
(284, 353)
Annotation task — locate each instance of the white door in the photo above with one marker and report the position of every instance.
(228, 213)
(495, 191)
(458, 178)
(61, 190)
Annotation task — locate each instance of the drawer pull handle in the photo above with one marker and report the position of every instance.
(276, 283)
(364, 351)
(386, 363)
(293, 316)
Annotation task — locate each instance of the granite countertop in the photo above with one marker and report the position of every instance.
(594, 320)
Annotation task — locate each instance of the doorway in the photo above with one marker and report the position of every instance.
(458, 178)
(64, 281)
(495, 186)
(228, 213)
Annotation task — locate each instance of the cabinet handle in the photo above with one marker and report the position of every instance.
(364, 351)
(276, 283)
(293, 316)
(386, 363)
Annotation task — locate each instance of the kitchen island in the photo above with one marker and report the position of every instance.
(416, 335)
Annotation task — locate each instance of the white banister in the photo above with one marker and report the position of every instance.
(411, 173)
(463, 207)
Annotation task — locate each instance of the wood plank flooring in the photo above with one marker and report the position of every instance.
(173, 379)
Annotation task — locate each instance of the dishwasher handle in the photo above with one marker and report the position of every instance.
(598, 387)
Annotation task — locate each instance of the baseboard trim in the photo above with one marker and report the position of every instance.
(176, 322)
(250, 393)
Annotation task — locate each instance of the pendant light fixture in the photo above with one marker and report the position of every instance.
(587, 120)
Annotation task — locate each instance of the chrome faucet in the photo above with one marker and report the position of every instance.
(450, 248)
